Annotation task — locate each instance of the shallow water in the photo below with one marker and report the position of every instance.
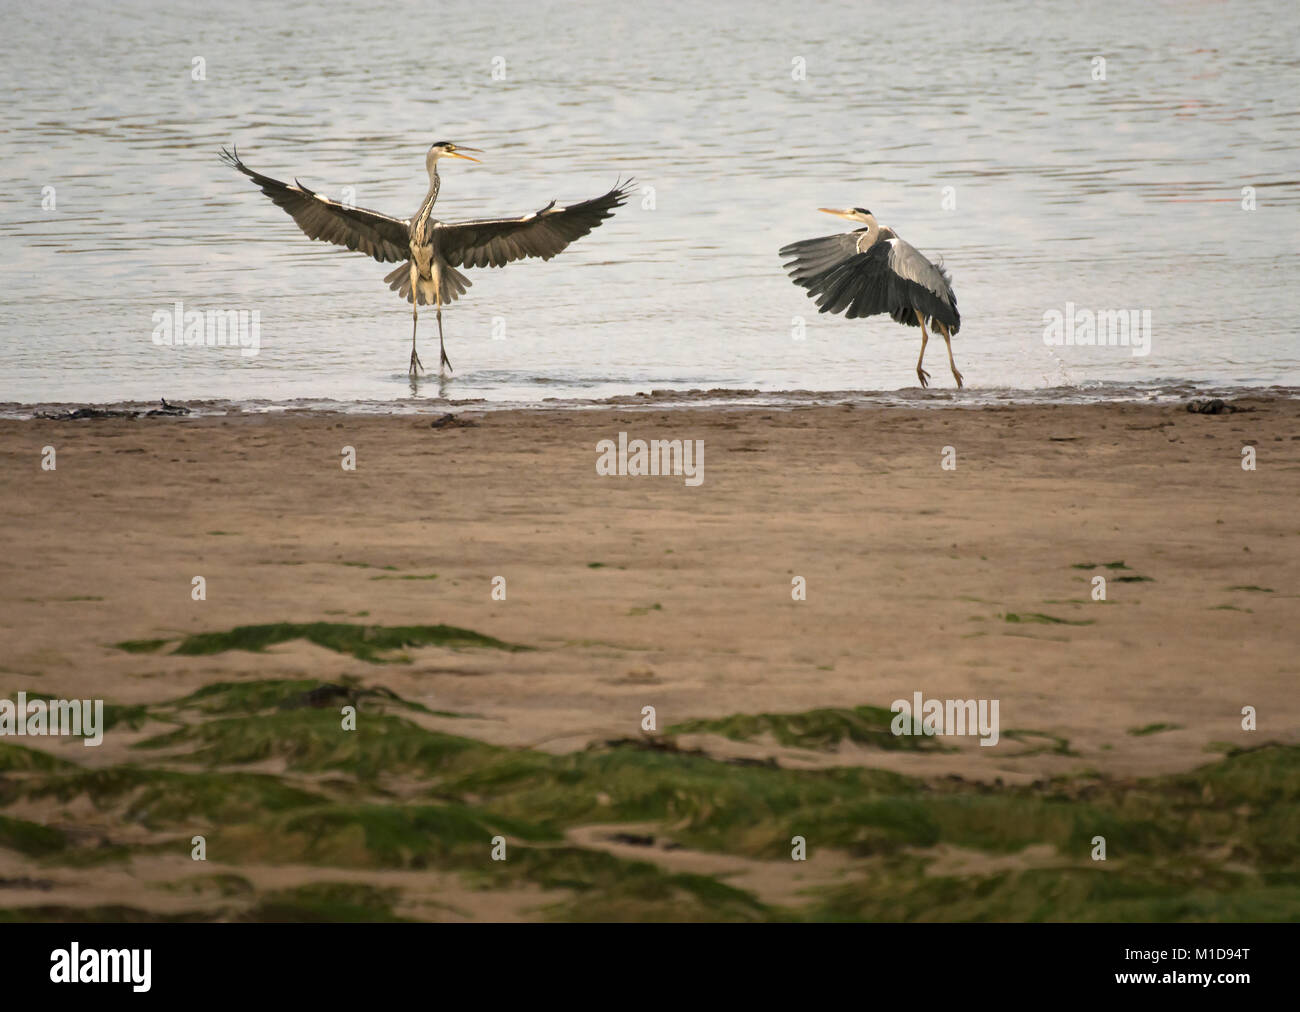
(1123, 194)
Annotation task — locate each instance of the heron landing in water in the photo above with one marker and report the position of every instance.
(433, 249)
(871, 270)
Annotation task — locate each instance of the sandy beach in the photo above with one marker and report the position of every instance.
(967, 581)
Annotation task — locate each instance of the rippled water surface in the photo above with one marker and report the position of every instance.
(1125, 193)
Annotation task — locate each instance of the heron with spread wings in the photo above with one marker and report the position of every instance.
(871, 270)
(430, 250)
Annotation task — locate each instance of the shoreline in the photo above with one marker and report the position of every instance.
(1158, 392)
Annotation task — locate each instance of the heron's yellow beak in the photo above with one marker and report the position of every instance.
(457, 154)
(838, 214)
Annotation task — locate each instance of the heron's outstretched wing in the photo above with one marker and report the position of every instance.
(496, 242)
(889, 277)
(811, 258)
(377, 235)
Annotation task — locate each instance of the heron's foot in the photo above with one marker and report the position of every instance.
(416, 364)
(445, 360)
(957, 376)
(923, 376)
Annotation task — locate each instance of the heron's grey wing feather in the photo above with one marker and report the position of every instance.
(857, 287)
(495, 242)
(811, 258)
(385, 238)
(840, 277)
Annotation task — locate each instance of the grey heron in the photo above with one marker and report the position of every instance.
(871, 270)
(431, 250)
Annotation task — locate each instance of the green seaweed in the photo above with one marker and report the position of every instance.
(105, 914)
(1055, 743)
(20, 758)
(1221, 842)
(1037, 616)
(314, 740)
(141, 646)
(163, 798)
(328, 902)
(1139, 732)
(378, 836)
(818, 729)
(244, 697)
(114, 715)
(1079, 894)
(365, 642)
(224, 884)
(30, 838)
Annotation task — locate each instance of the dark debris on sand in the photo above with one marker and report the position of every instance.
(1214, 406)
(452, 421)
(332, 695)
(77, 414)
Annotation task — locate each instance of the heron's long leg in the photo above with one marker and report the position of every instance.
(921, 374)
(947, 339)
(437, 290)
(415, 321)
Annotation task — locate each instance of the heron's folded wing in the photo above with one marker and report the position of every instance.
(496, 242)
(911, 265)
(378, 235)
(931, 284)
(810, 259)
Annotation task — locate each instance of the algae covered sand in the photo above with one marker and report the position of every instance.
(366, 643)
(304, 819)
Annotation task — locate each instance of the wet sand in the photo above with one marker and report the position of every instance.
(637, 591)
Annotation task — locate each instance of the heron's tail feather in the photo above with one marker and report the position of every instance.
(952, 318)
(454, 284)
(400, 280)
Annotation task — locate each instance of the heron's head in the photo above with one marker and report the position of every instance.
(860, 214)
(446, 149)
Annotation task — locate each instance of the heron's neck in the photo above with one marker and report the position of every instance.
(869, 237)
(434, 184)
(420, 223)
